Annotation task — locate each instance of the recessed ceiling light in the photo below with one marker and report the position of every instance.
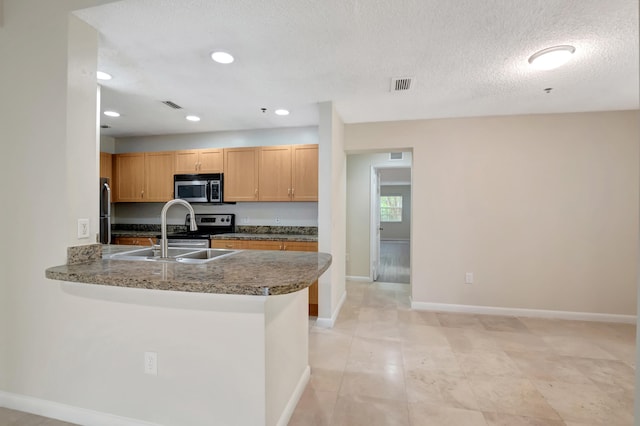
(111, 114)
(222, 57)
(281, 112)
(551, 57)
(192, 118)
(103, 75)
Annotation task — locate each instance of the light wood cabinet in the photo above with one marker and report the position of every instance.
(288, 173)
(241, 174)
(106, 166)
(276, 245)
(199, 161)
(135, 241)
(129, 177)
(158, 176)
(143, 177)
(304, 175)
(275, 173)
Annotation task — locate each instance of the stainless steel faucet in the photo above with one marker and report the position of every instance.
(164, 243)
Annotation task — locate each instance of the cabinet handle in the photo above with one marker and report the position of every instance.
(255, 193)
(228, 245)
(289, 192)
(142, 194)
(284, 247)
(293, 192)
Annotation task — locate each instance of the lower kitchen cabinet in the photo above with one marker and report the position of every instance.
(134, 241)
(276, 245)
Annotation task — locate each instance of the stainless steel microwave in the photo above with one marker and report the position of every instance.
(199, 188)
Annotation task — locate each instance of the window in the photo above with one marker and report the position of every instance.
(391, 208)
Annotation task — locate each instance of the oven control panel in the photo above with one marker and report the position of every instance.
(214, 220)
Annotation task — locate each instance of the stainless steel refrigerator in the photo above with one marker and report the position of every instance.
(105, 211)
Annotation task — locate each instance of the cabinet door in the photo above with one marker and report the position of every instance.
(241, 174)
(275, 173)
(313, 288)
(129, 177)
(300, 246)
(134, 241)
(186, 161)
(158, 176)
(264, 245)
(228, 244)
(211, 161)
(106, 166)
(305, 173)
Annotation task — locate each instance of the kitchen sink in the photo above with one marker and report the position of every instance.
(175, 254)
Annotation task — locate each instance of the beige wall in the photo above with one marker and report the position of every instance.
(543, 209)
(331, 211)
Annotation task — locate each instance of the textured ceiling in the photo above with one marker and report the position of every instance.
(468, 58)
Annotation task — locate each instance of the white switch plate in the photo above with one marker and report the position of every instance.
(468, 278)
(83, 228)
(151, 363)
(277, 219)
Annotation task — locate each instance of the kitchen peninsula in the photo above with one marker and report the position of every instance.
(231, 335)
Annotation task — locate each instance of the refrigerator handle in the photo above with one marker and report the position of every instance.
(106, 187)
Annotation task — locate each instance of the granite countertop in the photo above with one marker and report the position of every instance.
(265, 237)
(134, 234)
(247, 272)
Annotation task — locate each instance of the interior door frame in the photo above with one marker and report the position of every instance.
(374, 222)
(374, 228)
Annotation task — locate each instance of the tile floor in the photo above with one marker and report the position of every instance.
(384, 364)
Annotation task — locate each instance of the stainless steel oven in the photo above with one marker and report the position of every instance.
(199, 188)
(208, 224)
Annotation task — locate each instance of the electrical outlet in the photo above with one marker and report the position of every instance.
(151, 363)
(468, 278)
(277, 219)
(83, 228)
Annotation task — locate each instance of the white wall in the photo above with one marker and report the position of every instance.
(331, 211)
(229, 139)
(359, 206)
(107, 144)
(289, 214)
(49, 134)
(542, 208)
(398, 230)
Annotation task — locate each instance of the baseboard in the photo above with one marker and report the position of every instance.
(518, 312)
(329, 322)
(358, 278)
(67, 413)
(295, 397)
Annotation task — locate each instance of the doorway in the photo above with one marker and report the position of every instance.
(391, 224)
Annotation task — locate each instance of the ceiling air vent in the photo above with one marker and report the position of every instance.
(401, 84)
(395, 155)
(172, 105)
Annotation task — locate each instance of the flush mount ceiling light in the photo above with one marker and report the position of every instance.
(192, 118)
(103, 75)
(281, 112)
(111, 114)
(551, 57)
(222, 57)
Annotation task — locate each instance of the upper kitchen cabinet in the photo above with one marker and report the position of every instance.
(199, 161)
(144, 177)
(106, 166)
(288, 173)
(304, 174)
(275, 173)
(241, 174)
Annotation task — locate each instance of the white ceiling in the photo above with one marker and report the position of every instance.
(468, 58)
